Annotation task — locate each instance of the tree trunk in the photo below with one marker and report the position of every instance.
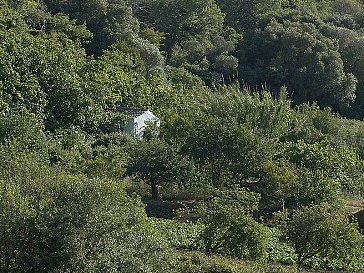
(154, 190)
(216, 173)
(299, 262)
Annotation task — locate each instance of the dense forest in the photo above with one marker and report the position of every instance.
(258, 165)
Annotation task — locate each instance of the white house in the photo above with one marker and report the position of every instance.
(140, 119)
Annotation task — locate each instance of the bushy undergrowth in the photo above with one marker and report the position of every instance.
(181, 235)
(236, 156)
(279, 251)
(197, 262)
(51, 221)
(200, 263)
(188, 236)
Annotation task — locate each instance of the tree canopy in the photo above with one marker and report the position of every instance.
(259, 154)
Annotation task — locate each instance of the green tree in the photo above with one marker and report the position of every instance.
(226, 149)
(25, 131)
(318, 172)
(336, 162)
(109, 21)
(229, 226)
(352, 7)
(246, 14)
(280, 181)
(352, 55)
(326, 233)
(49, 75)
(159, 164)
(52, 221)
(182, 19)
(195, 36)
(231, 134)
(39, 74)
(297, 55)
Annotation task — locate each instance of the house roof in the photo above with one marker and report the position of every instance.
(131, 111)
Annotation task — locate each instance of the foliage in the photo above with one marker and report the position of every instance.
(311, 124)
(242, 89)
(298, 63)
(304, 174)
(280, 182)
(199, 263)
(158, 163)
(226, 148)
(314, 231)
(339, 163)
(279, 250)
(181, 235)
(195, 37)
(49, 75)
(245, 15)
(232, 134)
(55, 222)
(230, 228)
(23, 130)
(78, 153)
(107, 20)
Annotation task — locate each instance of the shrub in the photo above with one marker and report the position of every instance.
(278, 250)
(230, 228)
(324, 233)
(56, 222)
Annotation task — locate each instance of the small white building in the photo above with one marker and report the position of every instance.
(140, 119)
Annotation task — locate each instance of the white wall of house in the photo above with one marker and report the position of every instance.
(138, 125)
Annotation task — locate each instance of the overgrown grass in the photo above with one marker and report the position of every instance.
(180, 235)
(196, 262)
(186, 238)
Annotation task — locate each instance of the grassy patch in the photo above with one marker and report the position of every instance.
(196, 262)
(180, 235)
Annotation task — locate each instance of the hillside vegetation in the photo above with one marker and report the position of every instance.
(258, 163)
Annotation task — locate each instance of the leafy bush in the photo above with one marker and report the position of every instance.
(230, 228)
(321, 232)
(24, 130)
(181, 235)
(279, 251)
(51, 221)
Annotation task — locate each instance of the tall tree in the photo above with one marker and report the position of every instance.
(297, 55)
(159, 164)
(195, 36)
(108, 20)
